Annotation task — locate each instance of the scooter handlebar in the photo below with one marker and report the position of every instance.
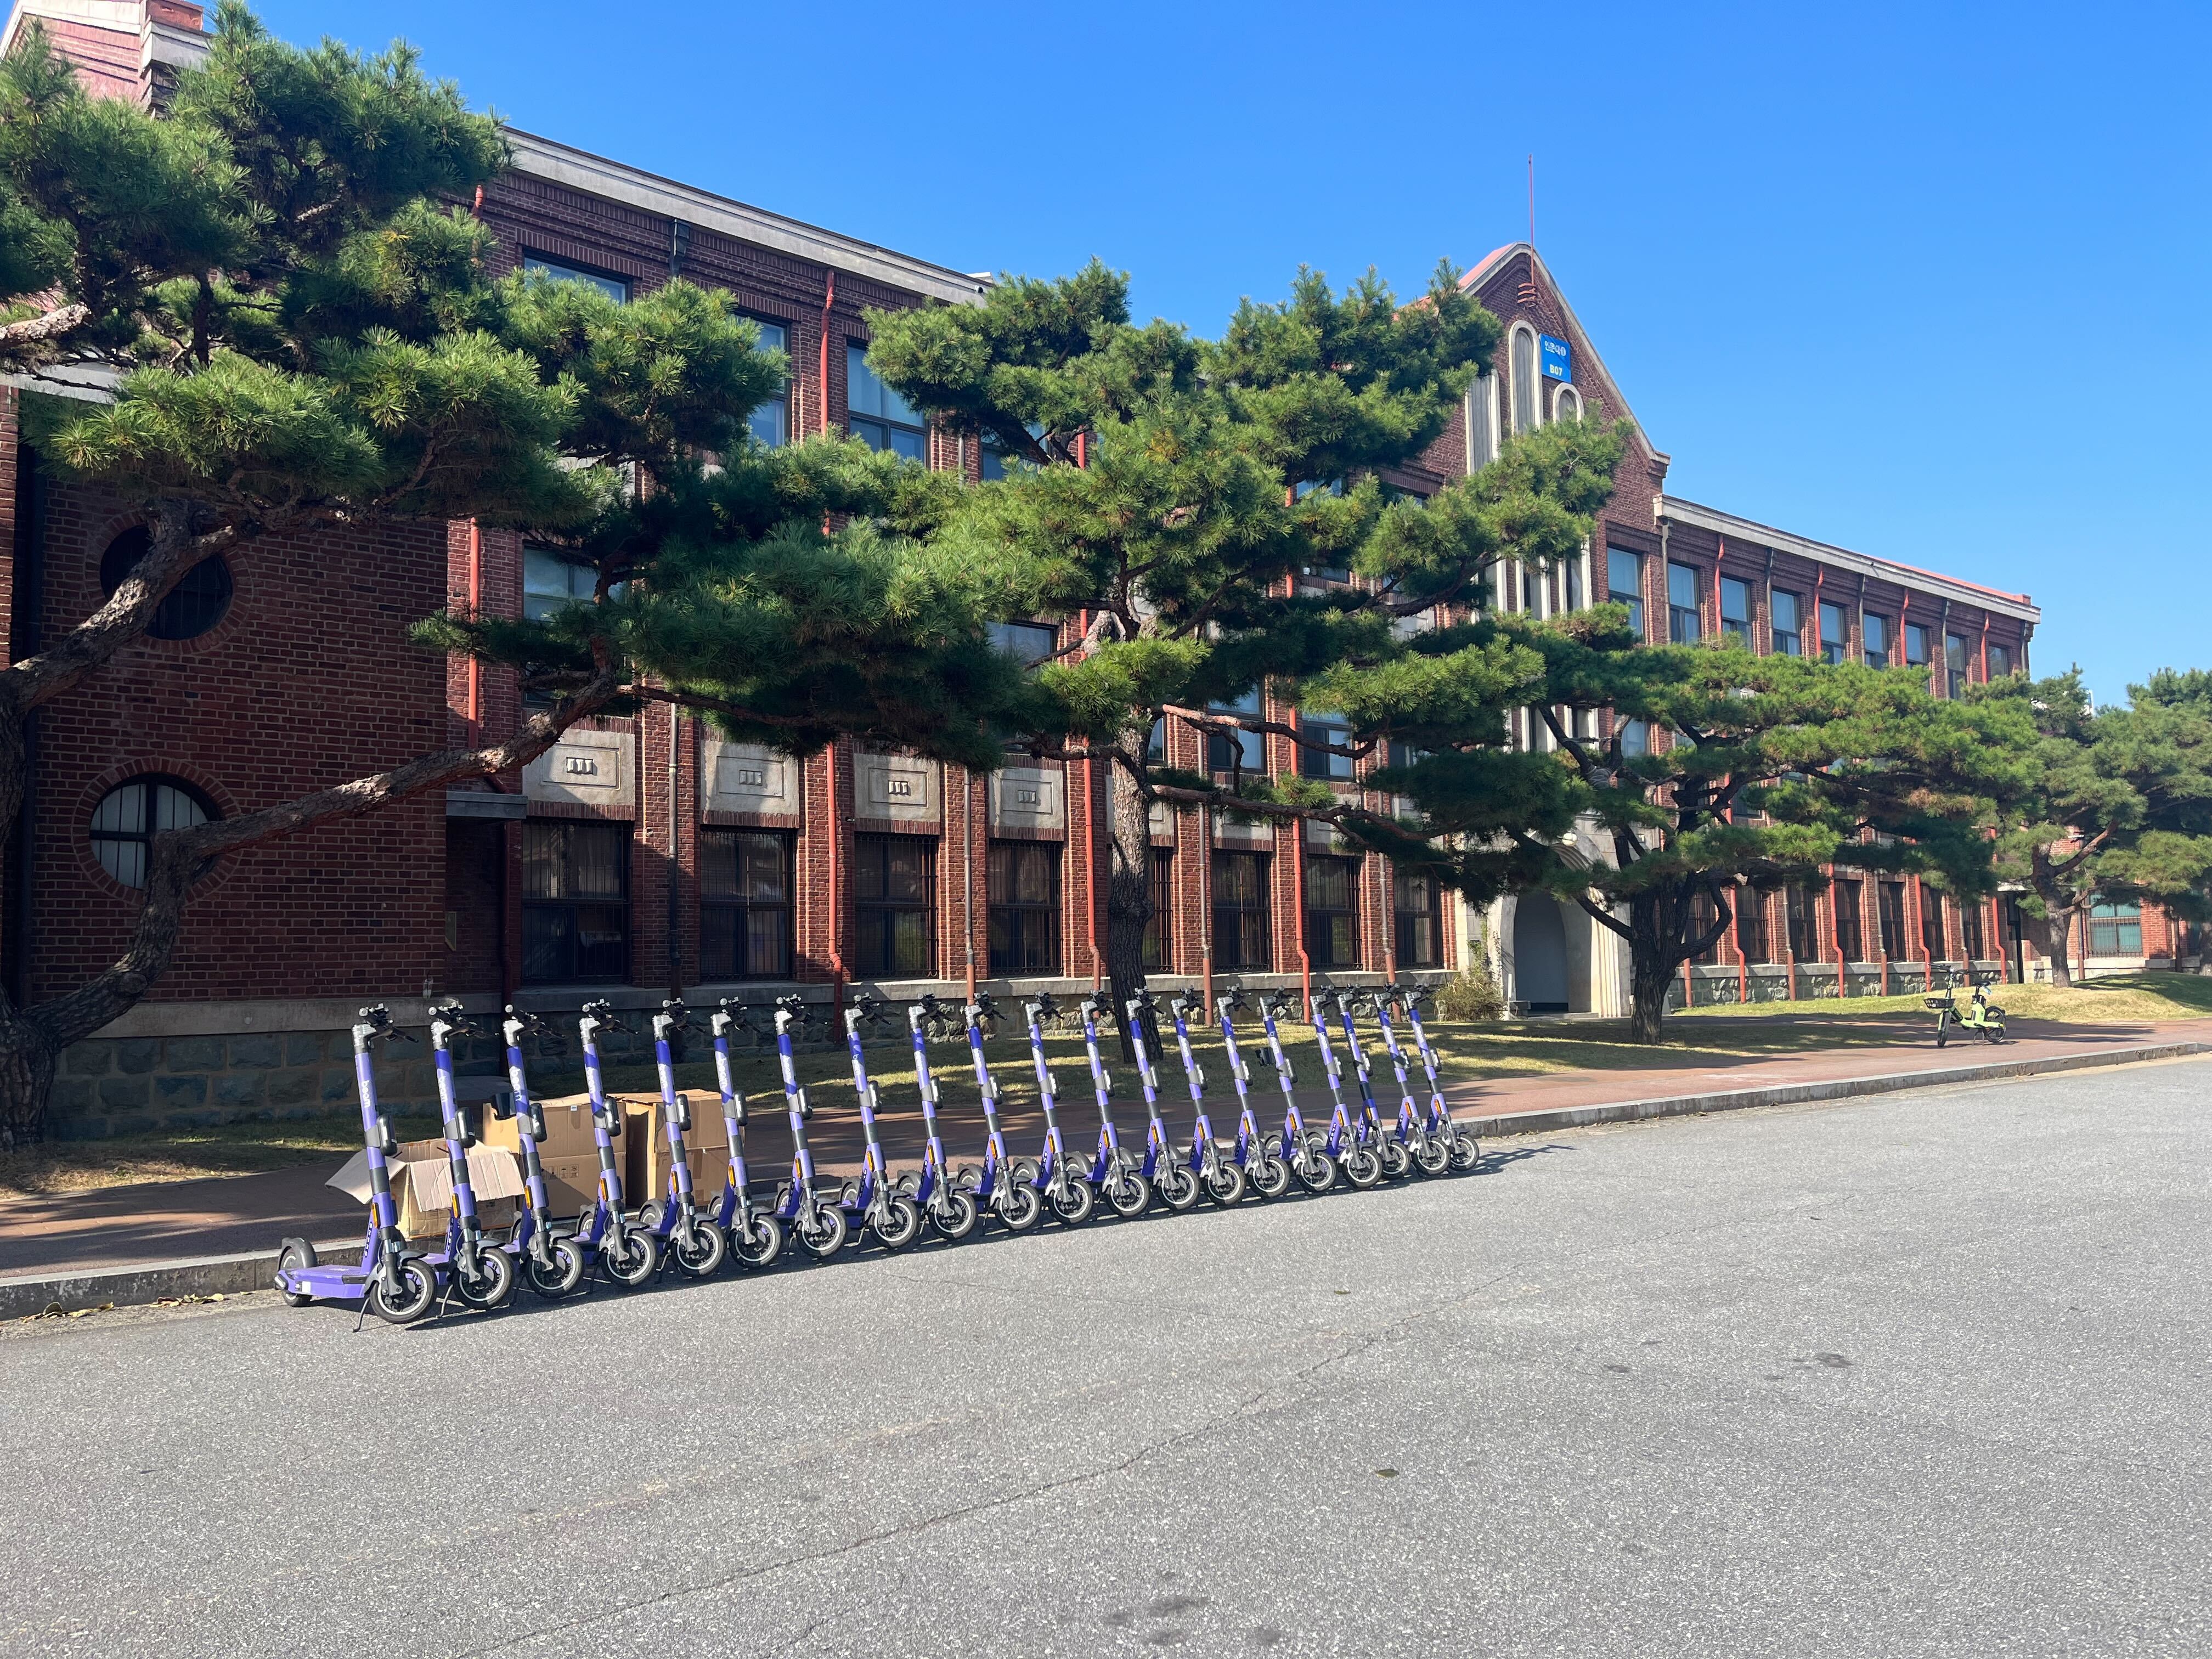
(601, 1013)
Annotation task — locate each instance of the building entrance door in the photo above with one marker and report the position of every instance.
(1539, 954)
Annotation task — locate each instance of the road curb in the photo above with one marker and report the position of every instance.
(137, 1284)
(1792, 1094)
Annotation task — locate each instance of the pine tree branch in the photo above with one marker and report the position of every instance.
(48, 326)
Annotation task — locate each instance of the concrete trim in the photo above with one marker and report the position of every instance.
(138, 1284)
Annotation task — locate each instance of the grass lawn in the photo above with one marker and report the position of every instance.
(1466, 1052)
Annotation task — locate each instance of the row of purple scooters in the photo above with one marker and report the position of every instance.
(400, 1280)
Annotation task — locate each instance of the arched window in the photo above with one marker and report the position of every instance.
(194, 606)
(1527, 402)
(1566, 403)
(131, 814)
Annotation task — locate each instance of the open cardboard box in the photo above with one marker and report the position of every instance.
(422, 1185)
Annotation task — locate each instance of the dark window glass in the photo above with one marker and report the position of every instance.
(1241, 936)
(1682, 619)
(1735, 611)
(1873, 634)
(1624, 583)
(1931, 925)
(1155, 743)
(1849, 940)
(2000, 661)
(1834, 638)
(879, 417)
(1704, 911)
(576, 901)
(1159, 927)
(1024, 886)
(2116, 930)
(1753, 937)
(1891, 900)
(195, 604)
(613, 287)
(1971, 912)
(1955, 664)
(1332, 911)
(1419, 899)
(1227, 751)
(1319, 763)
(1916, 645)
(1027, 643)
(895, 907)
(1789, 624)
(770, 423)
(1570, 582)
(745, 905)
(1801, 911)
(131, 814)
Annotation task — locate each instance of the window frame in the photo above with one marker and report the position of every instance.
(1909, 630)
(1889, 918)
(1738, 628)
(872, 853)
(1845, 894)
(1251, 923)
(140, 841)
(1157, 951)
(1837, 651)
(1318, 763)
(1254, 704)
(739, 906)
(1030, 946)
(1560, 395)
(1956, 678)
(1685, 622)
(1406, 923)
(2112, 923)
(1528, 384)
(1616, 595)
(617, 288)
(1787, 641)
(1327, 926)
(1872, 622)
(882, 422)
(780, 404)
(620, 837)
(1003, 639)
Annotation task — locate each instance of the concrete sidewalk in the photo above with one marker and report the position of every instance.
(72, 1244)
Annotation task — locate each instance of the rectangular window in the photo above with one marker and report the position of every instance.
(879, 417)
(613, 287)
(2116, 930)
(2000, 661)
(894, 906)
(745, 905)
(1801, 911)
(1789, 624)
(1481, 413)
(1735, 611)
(1242, 936)
(1025, 887)
(1319, 762)
(1682, 619)
(1228, 750)
(1419, 899)
(1753, 937)
(770, 422)
(1027, 643)
(1931, 925)
(1623, 584)
(1850, 943)
(1159, 927)
(1955, 665)
(1704, 911)
(1916, 645)
(1873, 634)
(1971, 911)
(1332, 912)
(1634, 739)
(1890, 900)
(1835, 638)
(1571, 577)
(576, 901)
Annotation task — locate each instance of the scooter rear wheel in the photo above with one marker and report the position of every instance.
(1467, 1150)
(822, 1232)
(1361, 1167)
(1128, 1195)
(1073, 1203)
(1270, 1176)
(1316, 1171)
(898, 1224)
(1018, 1209)
(293, 1256)
(701, 1253)
(418, 1289)
(559, 1280)
(1225, 1185)
(954, 1214)
(1177, 1187)
(759, 1247)
(632, 1256)
(493, 1283)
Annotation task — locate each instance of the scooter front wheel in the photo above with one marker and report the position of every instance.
(1467, 1150)
(1017, 1209)
(700, 1254)
(1127, 1194)
(822, 1231)
(1361, 1167)
(418, 1289)
(954, 1214)
(1177, 1187)
(632, 1256)
(1072, 1202)
(1316, 1171)
(1270, 1176)
(1224, 1184)
(1396, 1159)
(1431, 1156)
(492, 1283)
(757, 1243)
(898, 1224)
(559, 1277)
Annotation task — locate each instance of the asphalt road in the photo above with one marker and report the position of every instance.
(1925, 1374)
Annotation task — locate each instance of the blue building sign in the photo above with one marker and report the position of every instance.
(1558, 362)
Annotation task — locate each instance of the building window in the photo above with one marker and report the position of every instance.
(1419, 899)
(1242, 936)
(1566, 405)
(1835, 638)
(1634, 739)
(745, 905)
(1525, 385)
(1970, 924)
(1682, 619)
(878, 417)
(195, 604)
(1752, 936)
(770, 422)
(130, 815)
(1227, 752)
(1024, 885)
(1623, 584)
(1159, 927)
(551, 581)
(1850, 943)
(2116, 930)
(613, 287)
(1889, 901)
(1931, 925)
(1332, 915)
(1481, 423)
(1027, 643)
(1916, 645)
(1874, 637)
(1319, 762)
(2000, 661)
(894, 906)
(1735, 611)
(1955, 665)
(1704, 911)
(1801, 912)
(1789, 624)
(1571, 579)
(576, 901)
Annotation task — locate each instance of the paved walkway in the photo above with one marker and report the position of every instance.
(122, 1227)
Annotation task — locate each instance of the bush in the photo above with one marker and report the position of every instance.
(1471, 993)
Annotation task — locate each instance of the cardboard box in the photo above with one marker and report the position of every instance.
(571, 1185)
(422, 1185)
(567, 1129)
(646, 1163)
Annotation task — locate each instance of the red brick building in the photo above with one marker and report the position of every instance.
(646, 854)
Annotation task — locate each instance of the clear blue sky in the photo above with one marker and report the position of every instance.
(1927, 281)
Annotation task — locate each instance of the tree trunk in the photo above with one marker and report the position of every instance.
(1652, 967)
(1128, 894)
(27, 1056)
